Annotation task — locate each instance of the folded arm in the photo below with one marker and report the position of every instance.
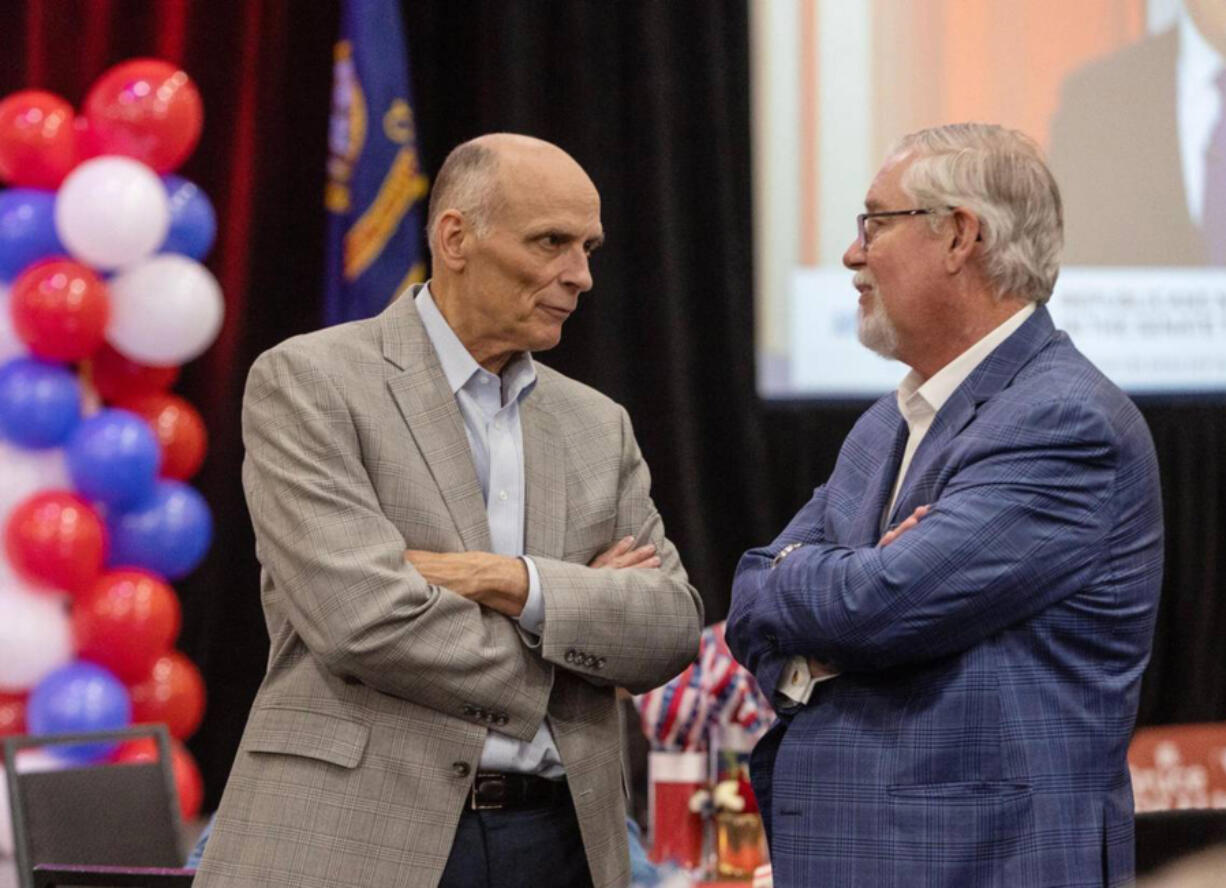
(636, 626)
(338, 562)
(1018, 528)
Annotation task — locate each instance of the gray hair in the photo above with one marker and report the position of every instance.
(999, 175)
(468, 182)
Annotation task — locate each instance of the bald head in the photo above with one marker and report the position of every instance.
(480, 175)
(513, 224)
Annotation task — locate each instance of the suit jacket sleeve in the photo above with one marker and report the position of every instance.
(638, 627)
(749, 643)
(338, 562)
(1019, 527)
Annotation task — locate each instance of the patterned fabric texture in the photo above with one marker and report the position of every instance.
(991, 657)
(365, 735)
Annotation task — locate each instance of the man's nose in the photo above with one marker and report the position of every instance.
(578, 271)
(854, 256)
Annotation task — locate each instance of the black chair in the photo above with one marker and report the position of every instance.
(87, 824)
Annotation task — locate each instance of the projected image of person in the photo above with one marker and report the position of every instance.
(1139, 148)
(956, 624)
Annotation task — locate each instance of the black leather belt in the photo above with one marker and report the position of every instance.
(493, 791)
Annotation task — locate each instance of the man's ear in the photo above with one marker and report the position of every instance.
(452, 237)
(963, 237)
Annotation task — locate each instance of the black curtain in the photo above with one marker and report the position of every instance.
(652, 98)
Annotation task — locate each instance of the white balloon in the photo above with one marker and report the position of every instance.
(165, 310)
(11, 345)
(112, 211)
(35, 634)
(24, 473)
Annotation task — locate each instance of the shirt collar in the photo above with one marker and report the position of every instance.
(918, 397)
(459, 366)
(1199, 62)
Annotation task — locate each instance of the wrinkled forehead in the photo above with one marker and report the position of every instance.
(542, 184)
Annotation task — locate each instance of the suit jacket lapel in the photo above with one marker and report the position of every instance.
(429, 409)
(880, 482)
(544, 478)
(992, 375)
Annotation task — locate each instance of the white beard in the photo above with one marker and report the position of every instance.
(874, 328)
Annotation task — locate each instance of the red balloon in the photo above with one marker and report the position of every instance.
(56, 538)
(188, 782)
(173, 693)
(37, 140)
(12, 714)
(147, 109)
(117, 378)
(180, 432)
(125, 621)
(60, 309)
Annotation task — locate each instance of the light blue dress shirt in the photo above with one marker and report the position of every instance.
(489, 405)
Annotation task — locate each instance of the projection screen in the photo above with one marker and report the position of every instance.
(1108, 88)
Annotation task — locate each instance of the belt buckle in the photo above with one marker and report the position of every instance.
(487, 779)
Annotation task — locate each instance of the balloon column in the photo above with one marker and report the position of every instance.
(102, 297)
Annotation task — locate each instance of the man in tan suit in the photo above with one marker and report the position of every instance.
(461, 561)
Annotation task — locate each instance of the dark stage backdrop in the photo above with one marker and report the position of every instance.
(652, 97)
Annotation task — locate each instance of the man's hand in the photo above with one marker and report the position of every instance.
(621, 554)
(499, 582)
(912, 520)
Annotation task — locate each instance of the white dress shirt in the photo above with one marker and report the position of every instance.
(919, 401)
(1198, 106)
(489, 405)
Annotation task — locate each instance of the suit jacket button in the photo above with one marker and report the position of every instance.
(469, 710)
(461, 769)
(600, 662)
(570, 655)
(501, 720)
(589, 661)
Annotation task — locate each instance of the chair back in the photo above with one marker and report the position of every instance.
(115, 814)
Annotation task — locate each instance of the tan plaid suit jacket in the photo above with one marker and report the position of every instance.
(364, 737)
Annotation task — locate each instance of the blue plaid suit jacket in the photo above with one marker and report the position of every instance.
(991, 657)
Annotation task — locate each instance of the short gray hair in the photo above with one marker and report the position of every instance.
(468, 182)
(999, 175)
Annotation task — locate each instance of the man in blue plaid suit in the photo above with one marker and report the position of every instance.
(957, 621)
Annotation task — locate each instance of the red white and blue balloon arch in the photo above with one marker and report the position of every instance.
(102, 297)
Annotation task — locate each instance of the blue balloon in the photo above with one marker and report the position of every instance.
(40, 403)
(169, 533)
(27, 229)
(76, 698)
(113, 458)
(193, 224)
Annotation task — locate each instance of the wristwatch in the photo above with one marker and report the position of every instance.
(784, 553)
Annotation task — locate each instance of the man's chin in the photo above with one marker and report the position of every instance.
(877, 337)
(544, 339)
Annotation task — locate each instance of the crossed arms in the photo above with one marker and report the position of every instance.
(1018, 527)
(340, 576)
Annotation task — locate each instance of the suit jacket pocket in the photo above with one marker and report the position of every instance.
(302, 732)
(971, 791)
(961, 833)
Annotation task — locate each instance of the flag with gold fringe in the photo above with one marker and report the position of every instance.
(376, 190)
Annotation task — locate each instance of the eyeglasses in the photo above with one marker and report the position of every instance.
(866, 233)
